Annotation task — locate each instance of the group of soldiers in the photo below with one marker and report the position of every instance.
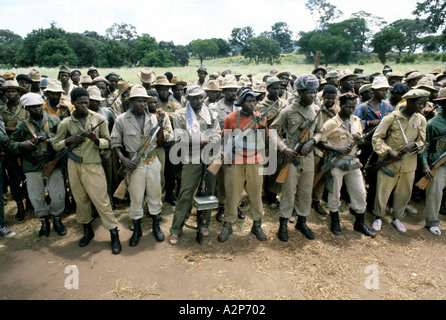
(88, 142)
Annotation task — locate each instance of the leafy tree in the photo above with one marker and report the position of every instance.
(412, 30)
(224, 49)
(180, 56)
(282, 34)
(384, 40)
(10, 44)
(334, 48)
(262, 48)
(26, 56)
(55, 52)
(239, 36)
(112, 54)
(85, 48)
(157, 58)
(435, 11)
(322, 12)
(354, 30)
(141, 47)
(121, 32)
(204, 48)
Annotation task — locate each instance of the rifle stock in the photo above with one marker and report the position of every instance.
(424, 182)
(281, 178)
(124, 172)
(49, 167)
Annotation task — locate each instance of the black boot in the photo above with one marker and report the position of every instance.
(137, 233)
(283, 229)
(45, 229)
(301, 225)
(20, 215)
(226, 232)
(159, 235)
(335, 227)
(257, 230)
(319, 209)
(240, 214)
(220, 213)
(360, 226)
(88, 235)
(58, 226)
(115, 244)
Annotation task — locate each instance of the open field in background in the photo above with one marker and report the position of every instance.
(293, 63)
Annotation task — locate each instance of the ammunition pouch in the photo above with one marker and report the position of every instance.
(348, 163)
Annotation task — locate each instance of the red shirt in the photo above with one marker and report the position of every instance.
(230, 124)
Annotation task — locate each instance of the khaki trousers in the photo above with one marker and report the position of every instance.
(88, 184)
(401, 184)
(296, 191)
(221, 193)
(318, 190)
(35, 183)
(239, 177)
(434, 195)
(355, 187)
(145, 180)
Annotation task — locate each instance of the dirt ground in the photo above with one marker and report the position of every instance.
(392, 266)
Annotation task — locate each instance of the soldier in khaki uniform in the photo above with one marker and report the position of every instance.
(397, 134)
(330, 105)
(338, 134)
(222, 108)
(195, 127)
(128, 134)
(87, 178)
(296, 191)
(270, 188)
(165, 102)
(213, 93)
(245, 171)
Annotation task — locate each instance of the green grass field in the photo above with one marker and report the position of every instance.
(292, 63)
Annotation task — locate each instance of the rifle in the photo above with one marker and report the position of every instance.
(281, 178)
(216, 164)
(333, 160)
(67, 112)
(49, 167)
(382, 164)
(124, 172)
(423, 182)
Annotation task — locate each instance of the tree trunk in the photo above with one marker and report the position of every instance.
(317, 59)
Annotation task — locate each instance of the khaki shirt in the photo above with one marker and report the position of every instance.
(222, 111)
(169, 107)
(291, 121)
(87, 150)
(12, 119)
(266, 103)
(336, 133)
(388, 136)
(127, 133)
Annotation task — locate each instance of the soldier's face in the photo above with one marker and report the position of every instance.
(307, 97)
(139, 105)
(348, 108)
(230, 94)
(196, 101)
(249, 104)
(81, 105)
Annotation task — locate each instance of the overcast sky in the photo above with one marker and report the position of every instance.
(182, 21)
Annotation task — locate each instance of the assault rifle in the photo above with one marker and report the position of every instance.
(281, 178)
(125, 172)
(49, 167)
(381, 164)
(334, 159)
(229, 148)
(423, 182)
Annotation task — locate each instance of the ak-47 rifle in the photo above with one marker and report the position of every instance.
(67, 112)
(229, 148)
(125, 172)
(281, 178)
(68, 151)
(423, 182)
(381, 164)
(334, 159)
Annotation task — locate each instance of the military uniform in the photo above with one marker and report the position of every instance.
(387, 137)
(87, 179)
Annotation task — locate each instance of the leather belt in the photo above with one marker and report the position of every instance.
(145, 161)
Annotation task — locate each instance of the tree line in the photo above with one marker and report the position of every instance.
(344, 42)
